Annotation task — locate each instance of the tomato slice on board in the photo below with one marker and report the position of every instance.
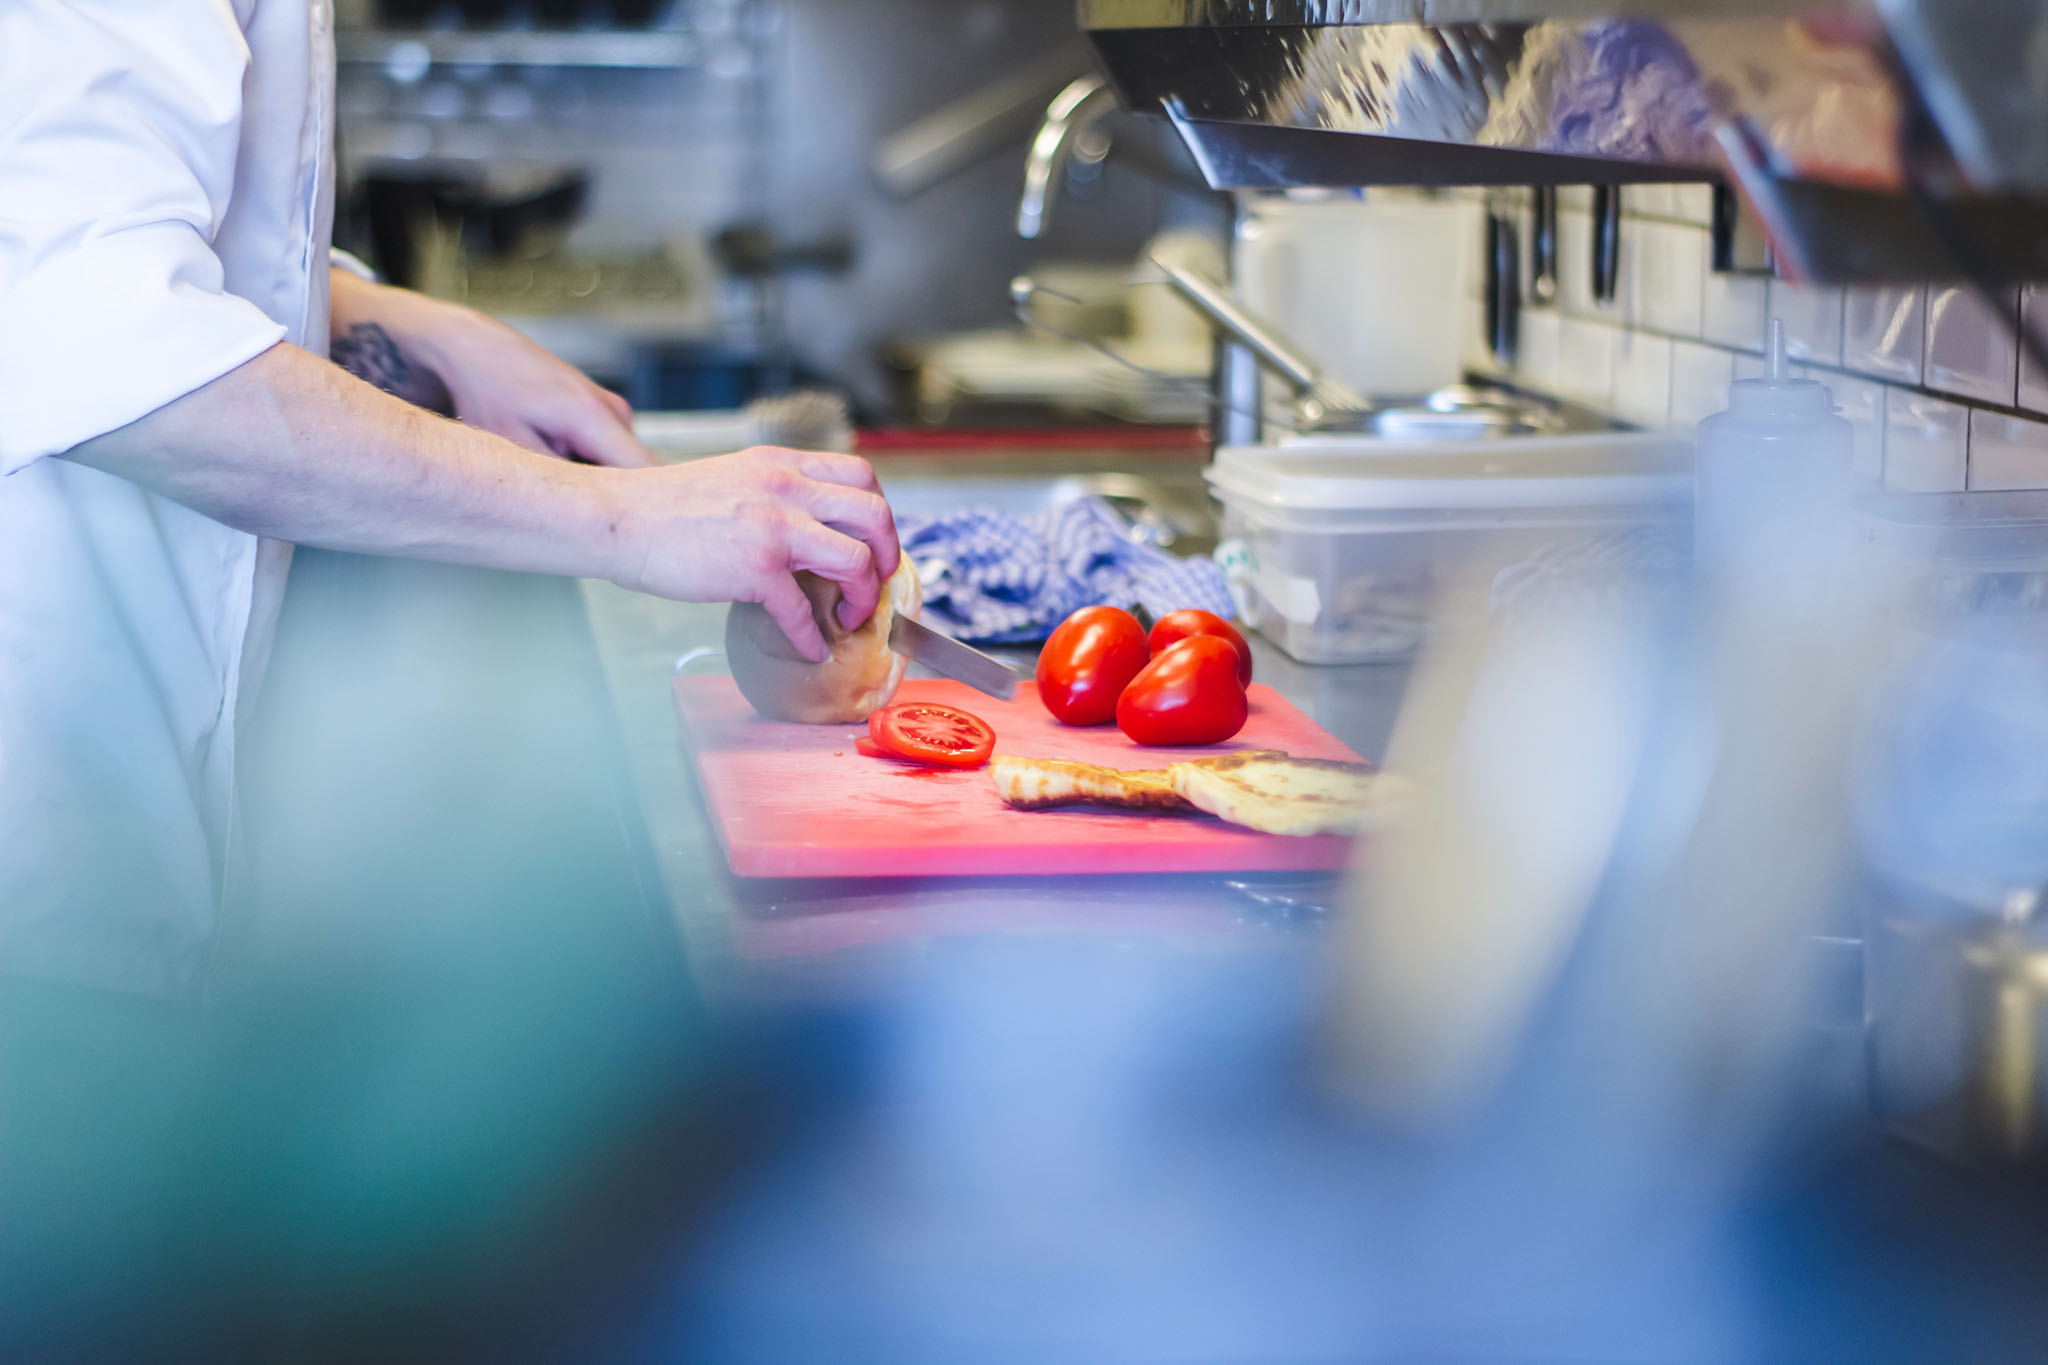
(1188, 696)
(1176, 626)
(926, 732)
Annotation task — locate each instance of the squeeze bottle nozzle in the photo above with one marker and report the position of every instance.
(1780, 371)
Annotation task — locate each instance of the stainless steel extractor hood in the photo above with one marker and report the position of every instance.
(1911, 143)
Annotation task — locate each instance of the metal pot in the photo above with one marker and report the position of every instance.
(1955, 828)
(1957, 1011)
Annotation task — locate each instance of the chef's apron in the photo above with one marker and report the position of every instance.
(167, 215)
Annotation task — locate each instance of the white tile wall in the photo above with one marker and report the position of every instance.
(1700, 376)
(2007, 452)
(1926, 444)
(1863, 403)
(1907, 365)
(1575, 262)
(1734, 311)
(1477, 352)
(1538, 365)
(1642, 379)
(1650, 201)
(1667, 276)
(1884, 332)
(1585, 360)
(1813, 321)
(1970, 348)
(1693, 204)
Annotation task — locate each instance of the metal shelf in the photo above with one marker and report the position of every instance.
(400, 50)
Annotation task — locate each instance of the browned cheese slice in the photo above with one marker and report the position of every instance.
(1281, 795)
(1047, 783)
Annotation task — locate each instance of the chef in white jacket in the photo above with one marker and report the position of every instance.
(169, 420)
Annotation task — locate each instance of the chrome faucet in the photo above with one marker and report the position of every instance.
(1070, 135)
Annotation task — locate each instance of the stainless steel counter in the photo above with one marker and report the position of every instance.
(742, 934)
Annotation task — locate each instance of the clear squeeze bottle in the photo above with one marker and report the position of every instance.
(1772, 481)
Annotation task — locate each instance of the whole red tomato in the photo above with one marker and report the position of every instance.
(1088, 661)
(1189, 695)
(1176, 626)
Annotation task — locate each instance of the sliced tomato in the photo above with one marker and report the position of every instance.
(1176, 626)
(867, 748)
(925, 732)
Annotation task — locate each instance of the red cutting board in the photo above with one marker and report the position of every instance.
(797, 801)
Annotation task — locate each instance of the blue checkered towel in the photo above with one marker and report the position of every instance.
(1001, 579)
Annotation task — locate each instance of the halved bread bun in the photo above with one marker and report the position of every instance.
(860, 677)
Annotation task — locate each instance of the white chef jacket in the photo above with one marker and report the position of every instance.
(166, 199)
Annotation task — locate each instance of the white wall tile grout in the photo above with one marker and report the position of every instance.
(1941, 399)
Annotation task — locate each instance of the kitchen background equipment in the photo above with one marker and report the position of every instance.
(1317, 396)
(1371, 287)
(1323, 404)
(1957, 1010)
(1099, 341)
(804, 420)
(797, 801)
(948, 140)
(724, 112)
(405, 203)
(1899, 144)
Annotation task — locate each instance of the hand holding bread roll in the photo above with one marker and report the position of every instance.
(859, 678)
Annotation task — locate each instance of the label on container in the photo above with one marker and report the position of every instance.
(1238, 563)
(1298, 600)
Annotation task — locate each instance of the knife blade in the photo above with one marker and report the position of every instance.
(946, 655)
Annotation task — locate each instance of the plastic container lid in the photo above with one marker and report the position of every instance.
(1628, 469)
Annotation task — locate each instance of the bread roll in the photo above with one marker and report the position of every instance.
(858, 679)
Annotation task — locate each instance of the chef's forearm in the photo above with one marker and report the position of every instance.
(289, 446)
(380, 335)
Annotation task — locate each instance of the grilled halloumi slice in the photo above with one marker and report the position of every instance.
(1045, 783)
(1281, 795)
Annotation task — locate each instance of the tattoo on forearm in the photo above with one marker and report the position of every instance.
(368, 352)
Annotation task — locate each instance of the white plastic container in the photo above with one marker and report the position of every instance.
(1341, 545)
(1957, 554)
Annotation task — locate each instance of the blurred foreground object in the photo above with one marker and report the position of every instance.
(1636, 811)
(1955, 820)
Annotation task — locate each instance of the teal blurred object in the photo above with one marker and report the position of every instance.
(451, 1064)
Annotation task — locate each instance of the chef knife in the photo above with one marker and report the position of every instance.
(962, 663)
